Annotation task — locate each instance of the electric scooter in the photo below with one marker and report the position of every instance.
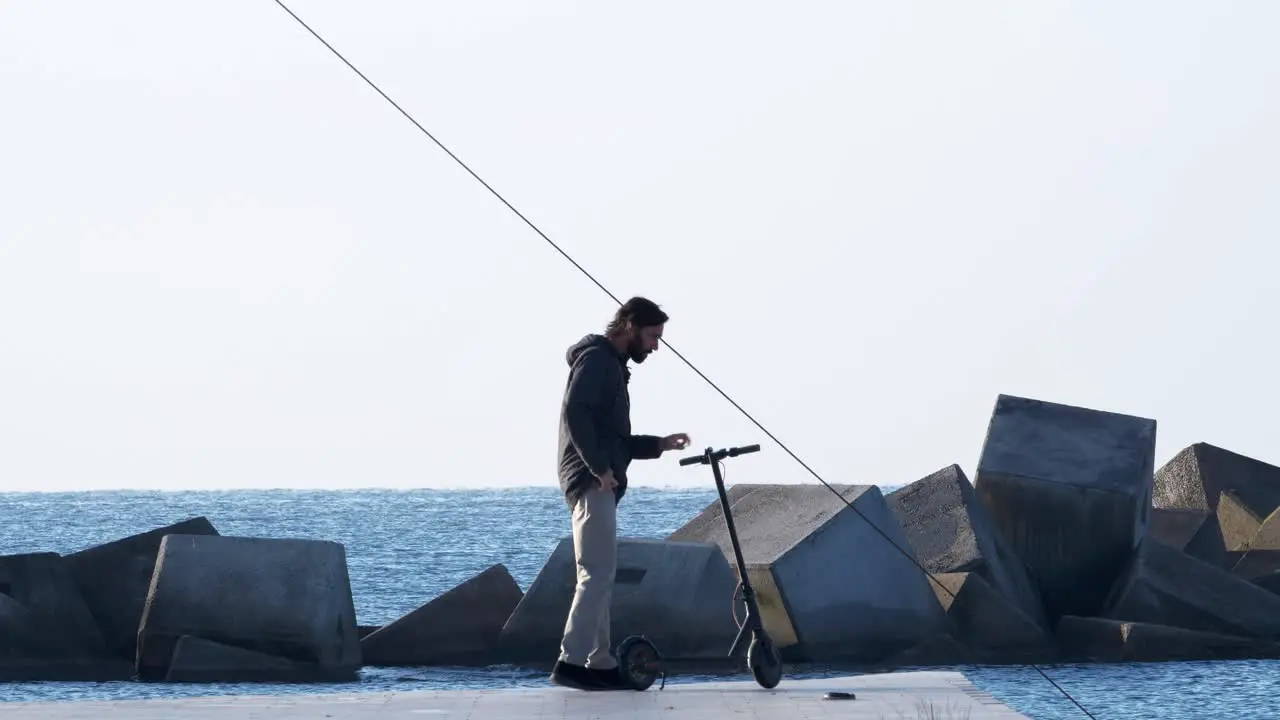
(762, 655)
(639, 658)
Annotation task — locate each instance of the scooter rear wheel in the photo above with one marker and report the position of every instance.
(639, 662)
(762, 658)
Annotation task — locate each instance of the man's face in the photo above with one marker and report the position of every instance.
(644, 341)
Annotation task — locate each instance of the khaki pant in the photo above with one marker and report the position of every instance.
(595, 550)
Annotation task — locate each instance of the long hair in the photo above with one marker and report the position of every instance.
(636, 313)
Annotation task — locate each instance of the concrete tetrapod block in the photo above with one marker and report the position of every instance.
(677, 594)
(31, 650)
(196, 660)
(830, 586)
(1176, 527)
(710, 522)
(42, 582)
(951, 532)
(1237, 522)
(1259, 556)
(990, 627)
(286, 598)
(460, 627)
(939, 650)
(114, 578)
(1070, 489)
(1103, 640)
(46, 630)
(1164, 586)
(1269, 582)
(1234, 491)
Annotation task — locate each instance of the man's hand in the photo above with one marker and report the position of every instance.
(608, 481)
(679, 441)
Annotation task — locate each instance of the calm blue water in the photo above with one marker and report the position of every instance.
(406, 547)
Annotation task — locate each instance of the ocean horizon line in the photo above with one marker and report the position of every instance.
(450, 489)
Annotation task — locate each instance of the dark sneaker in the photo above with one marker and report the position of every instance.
(611, 679)
(576, 677)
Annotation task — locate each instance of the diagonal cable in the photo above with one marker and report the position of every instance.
(686, 361)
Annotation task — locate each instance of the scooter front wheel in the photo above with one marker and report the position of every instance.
(762, 658)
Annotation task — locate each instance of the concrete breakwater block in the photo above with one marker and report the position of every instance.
(1231, 493)
(196, 660)
(1237, 523)
(678, 594)
(1103, 640)
(43, 584)
(710, 522)
(1070, 489)
(1260, 556)
(830, 586)
(1164, 586)
(1177, 527)
(951, 532)
(114, 578)
(31, 651)
(286, 598)
(990, 626)
(460, 627)
(939, 650)
(1269, 582)
(46, 630)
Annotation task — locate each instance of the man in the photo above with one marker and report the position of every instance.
(596, 447)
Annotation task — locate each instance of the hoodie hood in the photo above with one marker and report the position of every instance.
(595, 419)
(589, 342)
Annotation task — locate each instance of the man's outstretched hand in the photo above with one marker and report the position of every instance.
(679, 441)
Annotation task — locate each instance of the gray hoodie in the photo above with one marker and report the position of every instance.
(595, 419)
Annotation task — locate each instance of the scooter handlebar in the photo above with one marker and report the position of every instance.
(731, 452)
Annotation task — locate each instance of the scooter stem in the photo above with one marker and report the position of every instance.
(728, 518)
(752, 622)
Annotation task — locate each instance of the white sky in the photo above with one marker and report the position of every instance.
(226, 262)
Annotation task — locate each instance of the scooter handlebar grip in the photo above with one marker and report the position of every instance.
(747, 449)
(692, 460)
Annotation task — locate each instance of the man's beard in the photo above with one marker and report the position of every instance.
(636, 352)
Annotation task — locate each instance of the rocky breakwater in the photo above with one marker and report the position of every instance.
(1068, 545)
(75, 617)
(230, 609)
(180, 603)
